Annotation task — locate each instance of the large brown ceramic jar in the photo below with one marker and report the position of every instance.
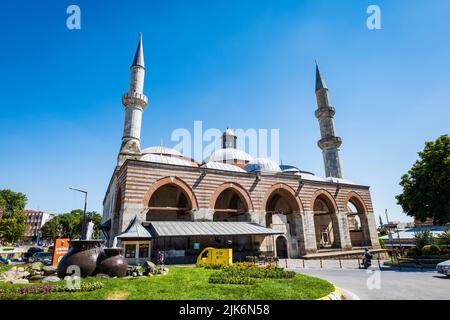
(84, 254)
(112, 263)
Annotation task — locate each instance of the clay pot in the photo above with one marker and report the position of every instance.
(112, 263)
(84, 254)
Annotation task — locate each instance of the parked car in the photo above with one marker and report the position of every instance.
(44, 257)
(444, 268)
(31, 251)
(3, 260)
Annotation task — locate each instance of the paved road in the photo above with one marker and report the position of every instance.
(412, 284)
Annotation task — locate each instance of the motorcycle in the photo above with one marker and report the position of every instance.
(366, 263)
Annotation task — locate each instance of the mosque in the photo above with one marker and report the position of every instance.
(160, 200)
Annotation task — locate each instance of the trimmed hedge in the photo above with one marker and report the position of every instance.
(247, 273)
(227, 278)
(430, 250)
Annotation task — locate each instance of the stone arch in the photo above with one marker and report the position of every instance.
(359, 237)
(282, 247)
(295, 202)
(357, 200)
(326, 223)
(237, 188)
(325, 196)
(183, 186)
(283, 209)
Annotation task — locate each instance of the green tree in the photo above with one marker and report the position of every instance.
(69, 224)
(12, 223)
(444, 238)
(423, 238)
(426, 186)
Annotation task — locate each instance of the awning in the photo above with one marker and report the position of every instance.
(189, 229)
(106, 224)
(135, 231)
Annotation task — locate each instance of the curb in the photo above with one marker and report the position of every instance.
(335, 295)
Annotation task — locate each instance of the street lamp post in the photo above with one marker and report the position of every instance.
(83, 235)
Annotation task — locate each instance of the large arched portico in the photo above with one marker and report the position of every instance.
(326, 225)
(231, 202)
(357, 220)
(283, 208)
(170, 199)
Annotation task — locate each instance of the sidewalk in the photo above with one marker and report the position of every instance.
(324, 264)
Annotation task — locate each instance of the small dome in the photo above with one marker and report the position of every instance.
(263, 165)
(289, 169)
(311, 177)
(222, 166)
(156, 158)
(162, 151)
(228, 154)
(339, 180)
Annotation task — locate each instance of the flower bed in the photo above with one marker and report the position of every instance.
(44, 289)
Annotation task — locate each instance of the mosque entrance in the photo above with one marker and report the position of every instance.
(282, 250)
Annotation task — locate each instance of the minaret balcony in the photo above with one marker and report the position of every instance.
(329, 142)
(134, 98)
(325, 112)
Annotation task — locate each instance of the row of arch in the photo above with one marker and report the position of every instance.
(280, 189)
(171, 199)
(243, 194)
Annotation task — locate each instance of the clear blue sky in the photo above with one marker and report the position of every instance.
(243, 64)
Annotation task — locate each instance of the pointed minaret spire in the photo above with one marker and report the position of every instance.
(134, 102)
(139, 55)
(329, 143)
(320, 83)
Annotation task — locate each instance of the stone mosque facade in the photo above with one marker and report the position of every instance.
(159, 199)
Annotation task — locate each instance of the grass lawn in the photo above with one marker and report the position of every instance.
(4, 267)
(191, 283)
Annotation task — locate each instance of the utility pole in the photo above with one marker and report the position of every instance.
(389, 225)
(391, 240)
(83, 226)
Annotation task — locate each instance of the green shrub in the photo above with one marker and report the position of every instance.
(244, 265)
(212, 267)
(229, 278)
(444, 238)
(430, 250)
(247, 273)
(423, 238)
(414, 252)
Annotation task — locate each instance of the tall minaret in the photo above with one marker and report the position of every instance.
(329, 143)
(135, 102)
